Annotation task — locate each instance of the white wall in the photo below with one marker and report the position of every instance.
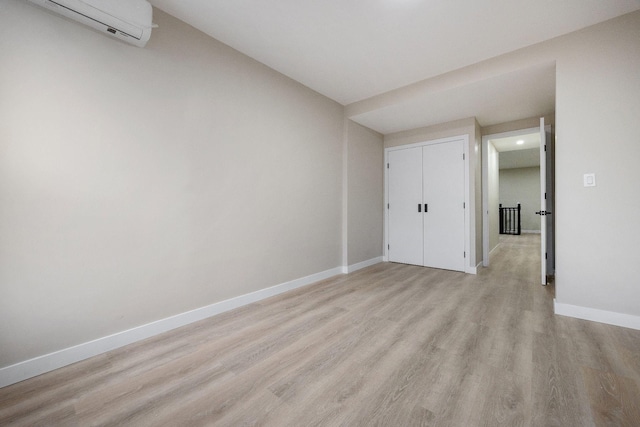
(522, 185)
(444, 130)
(365, 196)
(136, 184)
(597, 130)
(493, 169)
(528, 123)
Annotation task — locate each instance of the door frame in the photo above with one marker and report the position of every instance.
(485, 183)
(468, 268)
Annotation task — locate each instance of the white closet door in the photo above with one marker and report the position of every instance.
(443, 183)
(405, 195)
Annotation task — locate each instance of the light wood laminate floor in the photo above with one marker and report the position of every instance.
(389, 345)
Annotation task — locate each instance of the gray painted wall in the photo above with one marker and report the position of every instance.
(365, 196)
(136, 184)
(597, 130)
(522, 185)
(493, 166)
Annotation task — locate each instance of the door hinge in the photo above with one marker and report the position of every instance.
(545, 147)
(387, 205)
(462, 156)
(388, 247)
(464, 205)
(545, 255)
(545, 196)
(387, 165)
(465, 254)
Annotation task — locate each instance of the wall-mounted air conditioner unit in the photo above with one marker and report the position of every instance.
(127, 20)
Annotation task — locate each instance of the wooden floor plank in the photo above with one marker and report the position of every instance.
(615, 400)
(454, 391)
(558, 394)
(504, 399)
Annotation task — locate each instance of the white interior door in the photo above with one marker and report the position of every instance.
(405, 217)
(443, 175)
(550, 202)
(543, 203)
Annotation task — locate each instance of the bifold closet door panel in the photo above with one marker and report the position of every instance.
(443, 194)
(405, 195)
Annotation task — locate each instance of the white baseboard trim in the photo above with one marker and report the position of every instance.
(596, 315)
(363, 264)
(49, 362)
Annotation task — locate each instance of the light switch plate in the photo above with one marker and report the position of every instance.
(589, 179)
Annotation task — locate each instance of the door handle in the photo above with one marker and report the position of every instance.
(426, 207)
(419, 207)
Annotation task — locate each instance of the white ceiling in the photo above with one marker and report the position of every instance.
(519, 159)
(514, 155)
(510, 143)
(524, 93)
(352, 50)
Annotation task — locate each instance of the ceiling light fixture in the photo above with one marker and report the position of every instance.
(520, 142)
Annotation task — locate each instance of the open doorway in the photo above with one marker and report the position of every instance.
(511, 168)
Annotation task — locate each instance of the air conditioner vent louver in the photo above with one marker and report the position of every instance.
(130, 21)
